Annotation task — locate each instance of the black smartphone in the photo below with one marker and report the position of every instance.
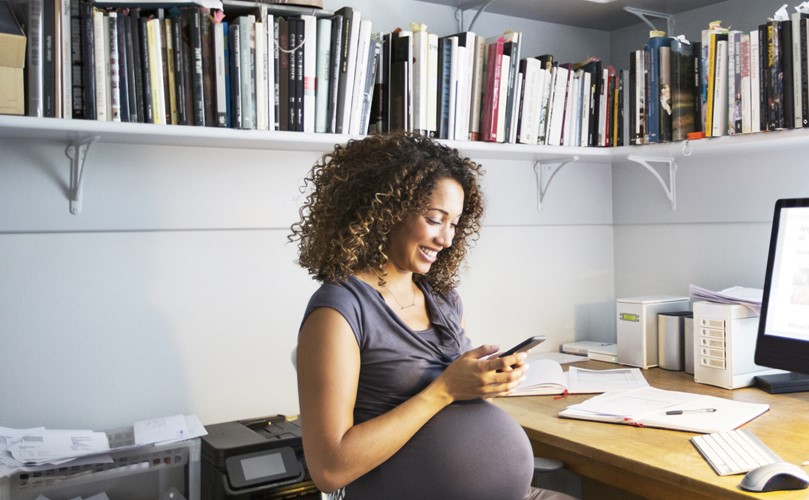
(524, 346)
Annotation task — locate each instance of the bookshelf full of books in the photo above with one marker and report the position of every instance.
(275, 68)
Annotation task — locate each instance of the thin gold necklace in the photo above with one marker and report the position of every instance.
(413, 302)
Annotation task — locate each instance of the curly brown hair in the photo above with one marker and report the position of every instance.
(362, 190)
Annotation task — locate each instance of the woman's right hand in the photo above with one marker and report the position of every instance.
(477, 375)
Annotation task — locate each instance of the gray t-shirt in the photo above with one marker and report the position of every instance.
(470, 449)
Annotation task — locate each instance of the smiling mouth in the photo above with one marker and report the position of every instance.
(429, 253)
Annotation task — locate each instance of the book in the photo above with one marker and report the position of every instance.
(652, 407)
(335, 49)
(348, 63)
(399, 82)
(220, 37)
(546, 377)
(683, 111)
(491, 91)
(360, 71)
(656, 41)
(309, 75)
(323, 67)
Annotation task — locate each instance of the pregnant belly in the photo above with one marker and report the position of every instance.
(469, 450)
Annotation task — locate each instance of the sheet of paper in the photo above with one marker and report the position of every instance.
(169, 429)
(57, 446)
(582, 380)
(633, 403)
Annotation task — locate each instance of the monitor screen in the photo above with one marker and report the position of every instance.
(783, 333)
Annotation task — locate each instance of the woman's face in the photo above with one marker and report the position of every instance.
(416, 241)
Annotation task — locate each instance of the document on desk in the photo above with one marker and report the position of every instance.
(545, 376)
(652, 407)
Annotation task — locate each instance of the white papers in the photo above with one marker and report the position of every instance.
(166, 430)
(749, 297)
(545, 376)
(648, 407)
(582, 380)
(57, 446)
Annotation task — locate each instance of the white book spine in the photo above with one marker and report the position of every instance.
(101, 73)
(796, 69)
(420, 75)
(309, 71)
(65, 57)
(746, 89)
(463, 73)
(262, 119)
(503, 99)
(219, 59)
(755, 81)
(519, 81)
(361, 67)
(720, 115)
(323, 73)
(546, 89)
(432, 81)
(529, 107)
(247, 33)
(269, 70)
(586, 99)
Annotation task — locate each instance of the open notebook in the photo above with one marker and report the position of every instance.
(545, 376)
(652, 407)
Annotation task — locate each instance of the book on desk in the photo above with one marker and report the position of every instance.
(652, 407)
(546, 377)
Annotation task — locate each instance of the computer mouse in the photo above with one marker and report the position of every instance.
(773, 477)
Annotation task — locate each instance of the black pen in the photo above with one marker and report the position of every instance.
(698, 410)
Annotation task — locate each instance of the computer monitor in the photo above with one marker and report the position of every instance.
(783, 330)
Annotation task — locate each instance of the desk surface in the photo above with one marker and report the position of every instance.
(659, 463)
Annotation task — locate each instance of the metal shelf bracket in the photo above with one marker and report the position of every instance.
(77, 152)
(670, 188)
(545, 171)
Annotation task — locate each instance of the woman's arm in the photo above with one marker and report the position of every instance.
(337, 451)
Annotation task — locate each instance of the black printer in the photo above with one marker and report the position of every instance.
(255, 459)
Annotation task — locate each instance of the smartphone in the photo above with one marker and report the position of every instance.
(524, 346)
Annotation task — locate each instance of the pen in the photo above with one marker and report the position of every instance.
(697, 410)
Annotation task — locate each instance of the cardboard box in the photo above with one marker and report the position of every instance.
(12, 93)
(12, 39)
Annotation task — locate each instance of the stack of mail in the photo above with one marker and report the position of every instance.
(749, 297)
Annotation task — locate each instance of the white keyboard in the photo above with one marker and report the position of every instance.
(734, 452)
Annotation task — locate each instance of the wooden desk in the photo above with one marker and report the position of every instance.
(658, 463)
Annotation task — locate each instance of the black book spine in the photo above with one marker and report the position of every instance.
(197, 72)
(292, 75)
(276, 73)
(283, 77)
(775, 78)
(123, 70)
(235, 77)
(399, 76)
(88, 57)
(76, 61)
(179, 70)
(148, 117)
(49, 59)
(347, 13)
(334, 76)
(140, 99)
(208, 67)
(785, 47)
(442, 99)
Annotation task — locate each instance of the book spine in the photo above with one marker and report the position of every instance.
(153, 34)
(785, 55)
(138, 81)
(208, 67)
(172, 113)
(283, 74)
(48, 59)
(101, 71)
(115, 75)
(235, 75)
(180, 70)
(755, 82)
(720, 114)
(221, 94)
(309, 73)
(76, 60)
(297, 80)
(322, 77)
(375, 51)
(63, 59)
(123, 65)
(682, 90)
(197, 86)
(260, 75)
(664, 103)
(34, 62)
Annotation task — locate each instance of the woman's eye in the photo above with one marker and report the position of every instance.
(433, 222)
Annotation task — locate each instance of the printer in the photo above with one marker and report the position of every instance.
(254, 459)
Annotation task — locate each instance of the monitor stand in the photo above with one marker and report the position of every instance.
(779, 383)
